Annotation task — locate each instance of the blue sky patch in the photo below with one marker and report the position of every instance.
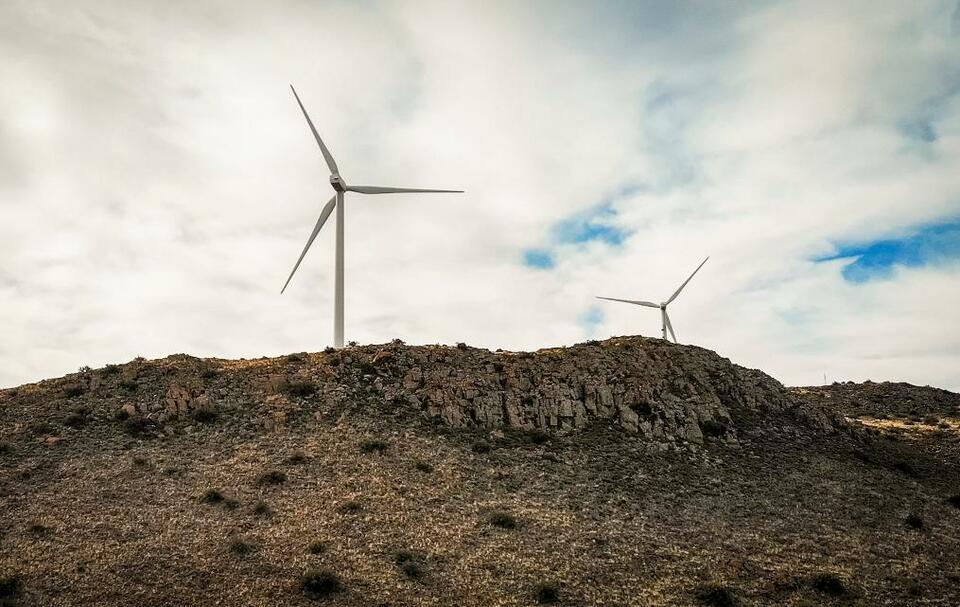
(591, 320)
(540, 259)
(877, 259)
(592, 224)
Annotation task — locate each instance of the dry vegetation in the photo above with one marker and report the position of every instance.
(364, 503)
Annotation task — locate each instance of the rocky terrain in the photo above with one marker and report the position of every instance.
(626, 472)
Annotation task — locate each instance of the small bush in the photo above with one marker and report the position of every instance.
(241, 546)
(905, 468)
(38, 529)
(374, 446)
(716, 596)
(273, 477)
(211, 496)
(205, 416)
(480, 446)
(461, 345)
(121, 415)
(501, 519)
(829, 584)
(423, 466)
(5, 447)
(712, 428)
(317, 547)
(41, 428)
(537, 436)
(10, 586)
(75, 420)
(329, 350)
(954, 500)
(262, 508)
(297, 457)
(301, 388)
(296, 357)
(350, 507)
(321, 583)
(140, 461)
(931, 420)
(409, 563)
(913, 521)
(547, 593)
(137, 425)
(73, 390)
(231, 503)
(129, 385)
(111, 369)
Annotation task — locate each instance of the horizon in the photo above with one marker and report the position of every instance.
(158, 180)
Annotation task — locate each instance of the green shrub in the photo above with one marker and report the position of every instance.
(501, 519)
(547, 593)
(211, 496)
(241, 546)
(409, 563)
(317, 547)
(74, 420)
(954, 500)
(262, 508)
(73, 390)
(374, 446)
(480, 446)
(423, 466)
(321, 583)
(297, 457)
(301, 388)
(913, 521)
(273, 477)
(350, 507)
(111, 369)
(829, 584)
(10, 587)
(205, 416)
(716, 596)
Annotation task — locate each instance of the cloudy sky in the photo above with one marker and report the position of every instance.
(157, 181)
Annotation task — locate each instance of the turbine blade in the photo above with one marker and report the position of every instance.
(376, 189)
(324, 214)
(631, 301)
(666, 317)
(323, 149)
(674, 296)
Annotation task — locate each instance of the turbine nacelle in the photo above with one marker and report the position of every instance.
(338, 183)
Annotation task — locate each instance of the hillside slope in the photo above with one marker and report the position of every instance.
(624, 472)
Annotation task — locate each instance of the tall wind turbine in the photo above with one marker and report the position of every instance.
(340, 186)
(664, 318)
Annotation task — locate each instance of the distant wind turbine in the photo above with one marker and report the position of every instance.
(664, 318)
(337, 203)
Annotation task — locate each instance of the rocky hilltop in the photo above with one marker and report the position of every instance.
(630, 471)
(669, 395)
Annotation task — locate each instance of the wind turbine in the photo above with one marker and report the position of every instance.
(664, 318)
(340, 186)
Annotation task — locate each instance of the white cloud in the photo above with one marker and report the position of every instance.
(157, 180)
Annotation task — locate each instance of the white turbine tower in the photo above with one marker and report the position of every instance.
(664, 318)
(341, 187)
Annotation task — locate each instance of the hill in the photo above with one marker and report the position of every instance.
(625, 472)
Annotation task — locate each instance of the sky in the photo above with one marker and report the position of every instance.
(157, 180)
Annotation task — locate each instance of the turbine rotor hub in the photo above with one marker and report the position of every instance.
(338, 184)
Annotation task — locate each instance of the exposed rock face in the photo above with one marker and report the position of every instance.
(662, 391)
(666, 394)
